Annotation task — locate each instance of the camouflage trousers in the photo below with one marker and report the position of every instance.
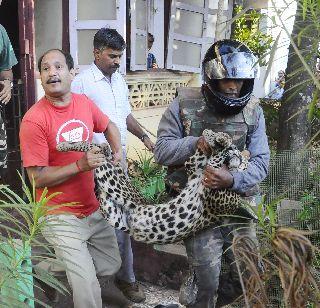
(3, 145)
(207, 286)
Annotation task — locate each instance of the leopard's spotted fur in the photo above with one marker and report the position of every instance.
(194, 208)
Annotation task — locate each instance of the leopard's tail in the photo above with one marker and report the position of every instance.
(83, 146)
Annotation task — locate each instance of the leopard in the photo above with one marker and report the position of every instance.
(196, 207)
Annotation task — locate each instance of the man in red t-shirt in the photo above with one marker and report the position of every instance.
(82, 238)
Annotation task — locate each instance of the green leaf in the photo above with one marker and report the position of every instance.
(313, 104)
(272, 55)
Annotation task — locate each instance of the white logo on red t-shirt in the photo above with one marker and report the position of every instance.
(73, 131)
(73, 135)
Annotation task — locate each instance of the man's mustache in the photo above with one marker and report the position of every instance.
(53, 80)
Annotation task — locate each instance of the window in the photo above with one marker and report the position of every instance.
(85, 18)
(183, 30)
(139, 34)
(194, 26)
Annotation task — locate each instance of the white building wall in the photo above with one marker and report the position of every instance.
(281, 56)
(155, 22)
(262, 88)
(48, 30)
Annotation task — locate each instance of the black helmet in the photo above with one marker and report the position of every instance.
(228, 59)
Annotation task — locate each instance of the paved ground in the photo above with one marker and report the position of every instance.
(113, 298)
(158, 295)
(156, 266)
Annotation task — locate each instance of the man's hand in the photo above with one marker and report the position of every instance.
(91, 159)
(117, 157)
(5, 91)
(148, 144)
(203, 145)
(155, 65)
(217, 178)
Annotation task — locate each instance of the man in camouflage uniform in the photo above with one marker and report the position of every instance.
(224, 103)
(7, 60)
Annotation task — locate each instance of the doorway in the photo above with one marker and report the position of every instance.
(14, 110)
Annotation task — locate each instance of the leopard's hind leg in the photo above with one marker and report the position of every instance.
(114, 214)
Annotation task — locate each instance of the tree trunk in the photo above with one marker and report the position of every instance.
(294, 127)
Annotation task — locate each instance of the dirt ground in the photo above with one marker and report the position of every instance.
(113, 298)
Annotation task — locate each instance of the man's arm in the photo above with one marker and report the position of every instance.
(259, 159)
(172, 148)
(6, 74)
(154, 61)
(257, 167)
(51, 176)
(112, 134)
(8, 60)
(134, 128)
(35, 155)
(6, 78)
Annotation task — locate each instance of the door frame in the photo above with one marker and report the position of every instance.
(27, 49)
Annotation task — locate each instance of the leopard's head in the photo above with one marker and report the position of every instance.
(234, 159)
(217, 141)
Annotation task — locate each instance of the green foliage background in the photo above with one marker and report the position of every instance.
(247, 30)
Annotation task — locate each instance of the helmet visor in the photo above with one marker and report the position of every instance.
(238, 65)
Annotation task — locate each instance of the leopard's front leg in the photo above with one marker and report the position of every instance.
(197, 161)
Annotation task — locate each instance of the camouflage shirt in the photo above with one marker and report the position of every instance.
(174, 147)
(7, 56)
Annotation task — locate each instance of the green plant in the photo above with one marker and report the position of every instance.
(286, 257)
(310, 207)
(301, 97)
(271, 112)
(309, 217)
(247, 30)
(144, 167)
(287, 253)
(26, 226)
(146, 175)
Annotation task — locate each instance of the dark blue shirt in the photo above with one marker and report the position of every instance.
(151, 60)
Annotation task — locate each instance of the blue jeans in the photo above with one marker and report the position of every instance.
(126, 270)
(124, 242)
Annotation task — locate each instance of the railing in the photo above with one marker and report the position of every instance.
(154, 88)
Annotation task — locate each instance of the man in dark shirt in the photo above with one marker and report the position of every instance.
(7, 61)
(151, 60)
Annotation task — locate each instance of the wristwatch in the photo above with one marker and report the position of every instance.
(144, 136)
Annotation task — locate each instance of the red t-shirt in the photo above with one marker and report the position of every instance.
(43, 127)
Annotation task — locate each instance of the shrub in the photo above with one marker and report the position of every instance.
(146, 175)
